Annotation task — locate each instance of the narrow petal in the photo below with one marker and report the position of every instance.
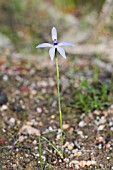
(65, 44)
(52, 53)
(61, 51)
(44, 45)
(54, 34)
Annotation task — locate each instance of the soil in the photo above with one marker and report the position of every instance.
(29, 108)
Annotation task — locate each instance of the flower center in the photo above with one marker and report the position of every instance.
(55, 42)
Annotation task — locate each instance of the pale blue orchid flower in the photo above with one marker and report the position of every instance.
(56, 46)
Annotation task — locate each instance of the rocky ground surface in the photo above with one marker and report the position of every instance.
(28, 107)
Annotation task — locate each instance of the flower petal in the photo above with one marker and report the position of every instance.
(54, 34)
(44, 45)
(61, 51)
(52, 53)
(65, 44)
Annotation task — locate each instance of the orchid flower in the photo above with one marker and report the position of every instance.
(56, 46)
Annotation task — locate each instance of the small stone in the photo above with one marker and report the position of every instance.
(60, 160)
(40, 124)
(50, 129)
(108, 145)
(74, 151)
(21, 138)
(15, 166)
(65, 126)
(54, 162)
(33, 92)
(5, 77)
(66, 160)
(39, 110)
(83, 163)
(101, 127)
(105, 113)
(17, 107)
(88, 163)
(73, 162)
(110, 123)
(71, 146)
(29, 123)
(71, 130)
(102, 120)
(80, 133)
(111, 106)
(77, 154)
(111, 128)
(4, 107)
(30, 130)
(2, 140)
(96, 112)
(35, 142)
(99, 139)
(52, 116)
(100, 146)
(93, 162)
(3, 98)
(66, 144)
(12, 121)
(81, 123)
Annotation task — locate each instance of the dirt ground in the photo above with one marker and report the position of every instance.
(28, 107)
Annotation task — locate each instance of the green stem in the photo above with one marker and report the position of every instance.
(40, 153)
(59, 105)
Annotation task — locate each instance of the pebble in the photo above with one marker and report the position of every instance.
(111, 106)
(3, 98)
(102, 120)
(80, 133)
(66, 144)
(105, 113)
(77, 154)
(52, 116)
(17, 107)
(26, 129)
(51, 82)
(100, 146)
(108, 145)
(21, 138)
(73, 162)
(65, 126)
(12, 121)
(101, 127)
(111, 128)
(81, 123)
(15, 166)
(96, 112)
(39, 110)
(4, 107)
(74, 151)
(5, 77)
(66, 160)
(92, 162)
(71, 130)
(83, 163)
(110, 123)
(71, 146)
(99, 138)
(35, 142)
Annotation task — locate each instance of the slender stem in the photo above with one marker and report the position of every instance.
(59, 105)
(40, 153)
